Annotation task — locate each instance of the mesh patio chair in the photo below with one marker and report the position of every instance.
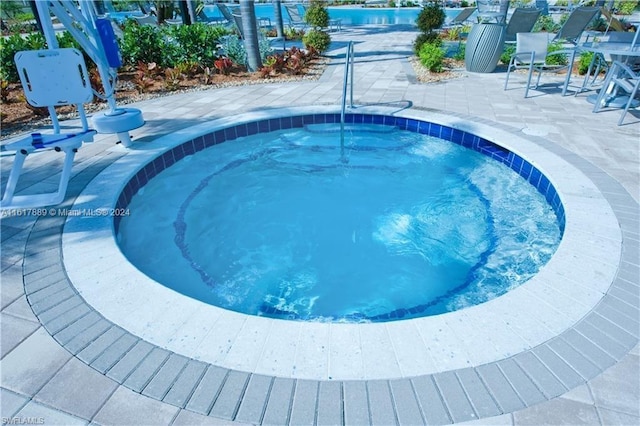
(522, 21)
(492, 10)
(146, 20)
(296, 17)
(461, 18)
(574, 26)
(211, 20)
(532, 53)
(227, 11)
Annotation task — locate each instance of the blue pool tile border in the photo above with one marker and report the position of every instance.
(518, 164)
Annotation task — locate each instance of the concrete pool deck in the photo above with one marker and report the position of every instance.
(586, 375)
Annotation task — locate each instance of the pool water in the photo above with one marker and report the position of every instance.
(349, 16)
(276, 224)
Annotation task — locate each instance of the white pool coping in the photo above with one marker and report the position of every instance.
(564, 291)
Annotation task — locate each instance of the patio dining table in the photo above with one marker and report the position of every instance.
(623, 52)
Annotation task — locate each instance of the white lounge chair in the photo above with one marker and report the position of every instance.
(50, 78)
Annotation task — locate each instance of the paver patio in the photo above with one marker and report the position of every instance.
(92, 371)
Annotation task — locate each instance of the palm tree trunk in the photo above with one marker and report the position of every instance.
(250, 35)
(277, 11)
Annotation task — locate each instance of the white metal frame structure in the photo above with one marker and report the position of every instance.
(50, 78)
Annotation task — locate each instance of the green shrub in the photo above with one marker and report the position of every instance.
(317, 39)
(35, 41)
(317, 15)
(143, 43)
(234, 49)
(422, 38)
(430, 18)
(546, 23)
(584, 61)
(507, 53)
(452, 34)
(264, 47)
(432, 57)
(66, 40)
(291, 33)
(558, 59)
(10, 46)
(197, 42)
(625, 7)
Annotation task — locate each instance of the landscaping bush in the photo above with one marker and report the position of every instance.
(170, 45)
(318, 18)
(317, 15)
(625, 7)
(10, 46)
(423, 38)
(197, 42)
(584, 61)
(546, 23)
(430, 18)
(143, 43)
(432, 57)
(507, 53)
(234, 49)
(558, 59)
(318, 39)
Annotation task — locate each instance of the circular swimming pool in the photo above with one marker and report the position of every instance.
(551, 301)
(419, 220)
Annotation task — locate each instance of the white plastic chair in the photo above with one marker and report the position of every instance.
(50, 78)
(532, 52)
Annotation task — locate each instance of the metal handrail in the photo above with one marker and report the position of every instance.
(348, 72)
